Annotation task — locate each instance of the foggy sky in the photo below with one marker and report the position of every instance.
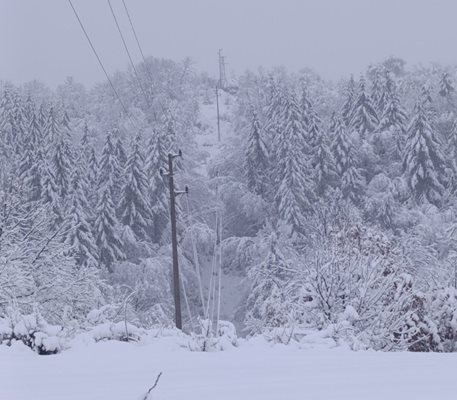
(40, 39)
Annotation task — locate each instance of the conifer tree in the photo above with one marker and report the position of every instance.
(52, 126)
(394, 115)
(31, 160)
(134, 208)
(294, 185)
(158, 196)
(256, 158)
(394, 118)
(109, 169)
(447, 88)
(379, 92)
(78, 233)
(62, 166)
(364, 118)
(346, 163)
(121, 162)
(305, 104)
(50, 196)
(349, 101)
(273, 113)
(325, 175)
(107, 239)
(423, 163)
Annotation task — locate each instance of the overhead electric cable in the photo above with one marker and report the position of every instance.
(101, 64)
(134, 31)
(127, 51)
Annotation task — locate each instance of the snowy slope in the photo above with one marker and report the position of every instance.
(207, 139)
(208, 145)
(256, 370)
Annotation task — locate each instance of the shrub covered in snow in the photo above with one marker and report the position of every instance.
(223, 339)
(32, 330)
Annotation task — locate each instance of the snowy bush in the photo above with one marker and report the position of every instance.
(120, 331)
(223, 339)
(32, 330)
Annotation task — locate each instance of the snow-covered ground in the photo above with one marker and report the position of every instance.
(255, 370)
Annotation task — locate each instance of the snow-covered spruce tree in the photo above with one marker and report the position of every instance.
(351, 181)
(50, 195)
(158, 195)
(379, 92)
(270, 303)
(91, 171)
(311, 119)
(325, 175)
(106, 230)
(78, 231)
(364, 119)
(394, 121)
(423, 163)
(51, 129)
(134, 206)
(305, 103)
(447, 88)
(109, 170)
(256, 158)
(394, 114)
(294, 193)
(62, 165)
(349, 101)
(18, 123)
(29, 167)
(273, 112)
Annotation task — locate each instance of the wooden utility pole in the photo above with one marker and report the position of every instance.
(218, 116)
(174, 242)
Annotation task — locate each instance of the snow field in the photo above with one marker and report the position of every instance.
(255, 370)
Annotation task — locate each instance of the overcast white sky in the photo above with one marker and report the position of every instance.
(40, 39)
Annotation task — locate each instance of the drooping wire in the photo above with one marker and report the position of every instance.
(148, 72)
(101, 64)
(134, 31)
(135, 72)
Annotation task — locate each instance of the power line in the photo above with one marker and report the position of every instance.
(127, 51)
(134, 31)
(101, 64)
(151, 81)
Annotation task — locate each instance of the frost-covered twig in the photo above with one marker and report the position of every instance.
(152, 387)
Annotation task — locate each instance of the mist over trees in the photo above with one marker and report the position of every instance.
(338, 200)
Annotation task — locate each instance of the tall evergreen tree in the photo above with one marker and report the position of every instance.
(52, 127)
(423, 163)
(158, 195)
(256, 158)
(134, 208)
(349, 101)
(62, 166)
(346, 164)
(78, 232)
(364, 118)
(294, 193)
(447, 88)
(379, 92)
(109, 170)
(107, 238)
(325, 175)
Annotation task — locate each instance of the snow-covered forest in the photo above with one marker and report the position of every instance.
(327, 207)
